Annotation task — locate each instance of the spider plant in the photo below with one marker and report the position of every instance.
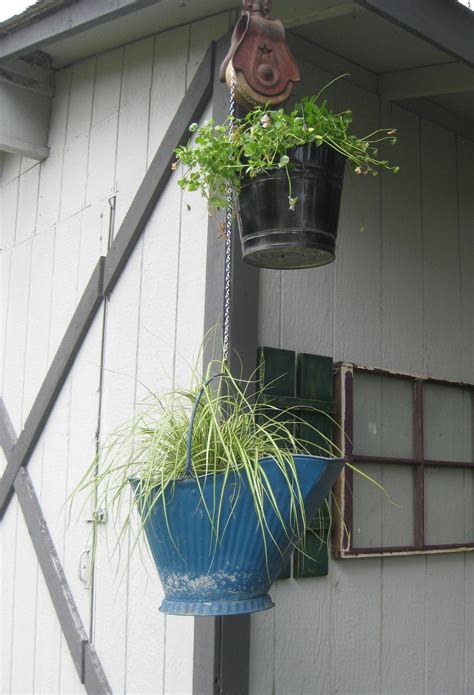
(231, 434)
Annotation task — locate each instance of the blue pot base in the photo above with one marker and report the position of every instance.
(252, 605)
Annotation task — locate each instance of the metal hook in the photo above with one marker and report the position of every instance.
(261, 6)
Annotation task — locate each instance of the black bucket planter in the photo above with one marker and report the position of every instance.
(272, 235)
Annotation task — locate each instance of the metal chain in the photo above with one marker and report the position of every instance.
(228, 242)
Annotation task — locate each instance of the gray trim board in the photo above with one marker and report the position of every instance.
(222, 645)
(445, 24)
(83, 653)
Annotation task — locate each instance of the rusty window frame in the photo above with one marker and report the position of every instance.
(343, 531)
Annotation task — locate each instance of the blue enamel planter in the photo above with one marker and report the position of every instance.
(230, 575)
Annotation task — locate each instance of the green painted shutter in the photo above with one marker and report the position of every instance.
(306, 384)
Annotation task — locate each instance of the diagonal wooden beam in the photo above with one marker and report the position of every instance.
(83, 653)
(108, 270)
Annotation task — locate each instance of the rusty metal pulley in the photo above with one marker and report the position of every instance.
(259, 60)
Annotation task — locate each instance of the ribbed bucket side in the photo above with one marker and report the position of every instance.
(199, 562)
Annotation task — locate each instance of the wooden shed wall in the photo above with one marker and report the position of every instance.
(109, 115)
(399, 296)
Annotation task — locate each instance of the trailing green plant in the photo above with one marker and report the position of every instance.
(232, 433)
(222, 155)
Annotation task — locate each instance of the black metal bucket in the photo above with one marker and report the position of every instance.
(272, 235)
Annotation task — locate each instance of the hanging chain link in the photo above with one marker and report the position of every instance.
(228, 241)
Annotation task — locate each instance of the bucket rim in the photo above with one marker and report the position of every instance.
(264, 459)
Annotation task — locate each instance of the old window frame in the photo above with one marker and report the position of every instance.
(343, 540)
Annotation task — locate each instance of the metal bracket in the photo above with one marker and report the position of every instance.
(262, 6)
(99, 516)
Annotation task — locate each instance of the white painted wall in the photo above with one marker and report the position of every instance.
(109, 115)
(399, 296)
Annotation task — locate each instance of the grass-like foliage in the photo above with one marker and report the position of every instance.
(221, 155)
(231, 434)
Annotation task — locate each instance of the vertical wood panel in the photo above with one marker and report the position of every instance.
(442, 338)
(442, 299)
(8, 212)
(104, 127)
(445, 624)
(356, 587)
(169, 82)
(308, 325)
(50, 468)
(16, 327)
(49, 475)
(36, 359)
(8, 532)
(355, 626)
(402, 348)
(146, 668)
(469, 621)
(5, 293)
(23, 599)
(191, 283)
(84, 397)
(77, 138)
(27, 204)
(133, 123)
(51, 169)
(357, 292)
(262, 649)
(403, 628)
(465, 177)
(402, 262)
(111, 583)
(23, 633)
(301, 624)
(121, 351)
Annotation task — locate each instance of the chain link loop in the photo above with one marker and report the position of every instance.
(228, 242)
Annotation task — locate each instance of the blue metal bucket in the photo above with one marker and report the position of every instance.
(228, 570)
(202, 576)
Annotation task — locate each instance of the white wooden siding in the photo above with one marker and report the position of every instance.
(399, 296)
(109, 116)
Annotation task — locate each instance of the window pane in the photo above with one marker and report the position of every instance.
(449, 505)
(383, 416)
(448, 423)
(379, 521)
